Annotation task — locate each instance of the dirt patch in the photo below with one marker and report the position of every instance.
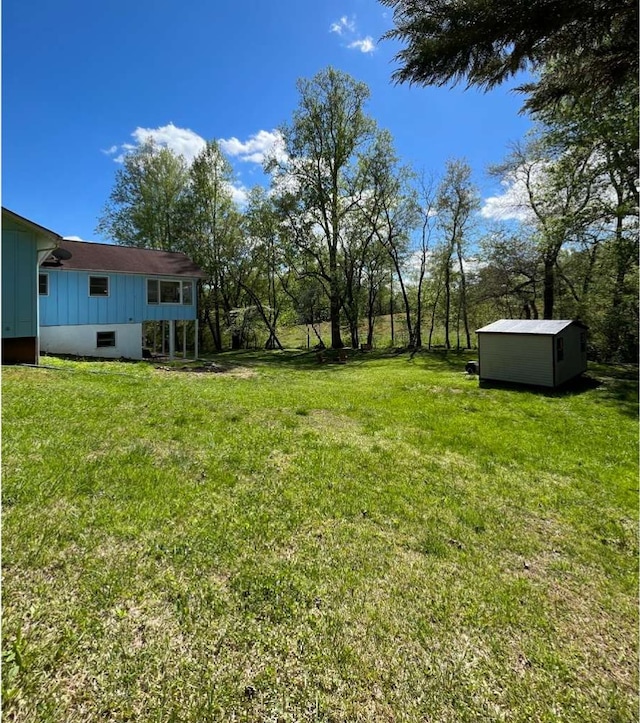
(208, 368)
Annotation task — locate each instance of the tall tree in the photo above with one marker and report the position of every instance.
(427, 201)
(608, 137)
(214, 236)
(394, 212)
(318, 181)
(457, 201)
(146, 207)
(262, 258)
(558, 194)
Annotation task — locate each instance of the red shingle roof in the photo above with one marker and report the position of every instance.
(91, 256)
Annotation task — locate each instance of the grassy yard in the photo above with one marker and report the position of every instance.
(382, 540)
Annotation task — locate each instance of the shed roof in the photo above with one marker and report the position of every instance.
(527, 326)
(92, 256)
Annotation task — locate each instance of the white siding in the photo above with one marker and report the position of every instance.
(81, 340)
(519, 358)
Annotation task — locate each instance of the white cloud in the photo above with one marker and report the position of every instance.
(512, 204)
(239, 193)
(346, 27)
(257, 148)
(343, 24)
(182, 141)
(364, 45)
(72, 238)
(503, 208)
(188, 144)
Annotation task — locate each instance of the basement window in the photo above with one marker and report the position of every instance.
(43, 284)
(98, 286)
(105, 338)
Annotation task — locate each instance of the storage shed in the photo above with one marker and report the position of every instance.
(539, 352)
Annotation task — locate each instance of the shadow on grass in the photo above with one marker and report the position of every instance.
(620, 389)
(294, 359)
(328, 359)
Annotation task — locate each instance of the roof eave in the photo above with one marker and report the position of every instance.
(34, 226)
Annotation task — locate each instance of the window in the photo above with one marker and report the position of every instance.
(559, 349)
(152, 291)
(169, 292)
(105, 338)
(43, 284)
(98, 286)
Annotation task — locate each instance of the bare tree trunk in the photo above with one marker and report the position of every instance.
(334, 302)
(433, 315)
(463, 295)
(548, 289)
(447, 303)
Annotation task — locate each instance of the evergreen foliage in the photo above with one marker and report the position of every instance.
(587, 49)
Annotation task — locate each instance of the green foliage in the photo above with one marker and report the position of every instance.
(321, 180)
(214, 238)
(348, 232)
(146, 206)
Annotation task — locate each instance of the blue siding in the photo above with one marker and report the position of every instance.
(19, 282)
(69, 302)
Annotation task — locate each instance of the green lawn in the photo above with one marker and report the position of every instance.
(382, 540)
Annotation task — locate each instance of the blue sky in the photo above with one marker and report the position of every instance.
(83, 81)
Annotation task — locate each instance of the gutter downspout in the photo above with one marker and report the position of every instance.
(42, 254)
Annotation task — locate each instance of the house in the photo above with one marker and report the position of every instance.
(530, 351)
(95, 298)
(24, 246)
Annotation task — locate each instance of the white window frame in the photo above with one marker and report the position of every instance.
(46, 276)
(182, 285)
(99, 276)
(107, 346)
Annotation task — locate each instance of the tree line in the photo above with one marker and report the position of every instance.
(346, 232)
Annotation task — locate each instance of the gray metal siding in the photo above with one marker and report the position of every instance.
(575, 361)
(517, 358)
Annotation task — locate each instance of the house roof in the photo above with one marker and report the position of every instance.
(92, 256)
(6, 213)
(528, 326)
